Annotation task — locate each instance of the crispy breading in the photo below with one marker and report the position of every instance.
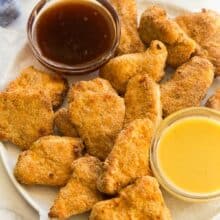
(155, 25)
(98, 116)
(48, 161)
(188, 86)
(142, 100)
(54, 86)
(80, 193)
(130, 41)
(204, 28)
(129, 157)
(95, 86)
(63, 123)
(120, 69)
(24, 117)
(214, 101)
(141, 200)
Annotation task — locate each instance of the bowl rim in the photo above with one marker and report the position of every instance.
(162, 179)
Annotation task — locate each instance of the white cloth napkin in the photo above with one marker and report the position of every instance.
(10, 41)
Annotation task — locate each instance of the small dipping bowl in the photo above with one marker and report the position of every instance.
(63, 50)
(186, 150)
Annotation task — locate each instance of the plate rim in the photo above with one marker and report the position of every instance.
(19, 187)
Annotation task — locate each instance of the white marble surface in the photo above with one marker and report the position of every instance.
(14, 35)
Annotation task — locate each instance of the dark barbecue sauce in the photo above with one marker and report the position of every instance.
(74, 32)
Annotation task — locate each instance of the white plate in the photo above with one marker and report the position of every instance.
(41, 198)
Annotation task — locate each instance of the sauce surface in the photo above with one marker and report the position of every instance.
(74, 32)
(189, 154)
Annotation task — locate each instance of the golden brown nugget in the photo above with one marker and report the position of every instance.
(130, 41)
(63, 123)
(204, 28)
(96, 85)
(98, 117)
(54, 86)
(188, 86)
(120, 69)
(141, 200)
(142, 100)
(129, 158)
(214, 101)
(155, 25)
(80, 193)
(24, 117)
(48, 161)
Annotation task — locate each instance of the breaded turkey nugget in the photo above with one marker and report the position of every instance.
(130, 41)
(63, 123)
(129, 157)
(142, 100)
(120, 69)
(98, 116)
(96, 85)
(24, 117)
(204, 28)
(54, 86)
(214, 101)
(155, 25)
(142, 200)
(80, 193)
(48, 161)
(188, 86)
